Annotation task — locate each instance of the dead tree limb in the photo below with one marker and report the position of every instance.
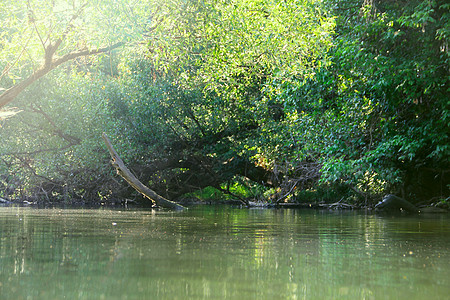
(123, 171)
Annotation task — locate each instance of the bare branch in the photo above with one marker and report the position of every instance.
(72, 140)
(76, 54)
(125, 173)
(32, 20)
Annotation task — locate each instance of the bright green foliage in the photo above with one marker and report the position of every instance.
(380, 111)
(225, 45)
(273, 99)
(27, 28)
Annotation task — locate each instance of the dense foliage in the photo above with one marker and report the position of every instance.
(269, 100)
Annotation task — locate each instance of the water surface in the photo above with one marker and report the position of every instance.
(221, 253)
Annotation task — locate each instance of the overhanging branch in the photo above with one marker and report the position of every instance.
(10, 94)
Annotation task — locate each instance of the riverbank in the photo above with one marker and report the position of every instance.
(441, 206)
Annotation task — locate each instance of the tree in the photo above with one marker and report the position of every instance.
(218, 59)
(36, 36)
(380, 111)
(47, 149)
(212, 42)
(293, 97)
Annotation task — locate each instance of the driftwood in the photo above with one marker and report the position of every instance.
(123, 171)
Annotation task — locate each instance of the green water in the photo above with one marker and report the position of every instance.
(221, 253)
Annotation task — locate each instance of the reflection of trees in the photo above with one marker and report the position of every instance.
(43, 245)
(222, 253)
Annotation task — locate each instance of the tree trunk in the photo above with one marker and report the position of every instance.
(123, 171)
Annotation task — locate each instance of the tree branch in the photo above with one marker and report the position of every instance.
(10, 94)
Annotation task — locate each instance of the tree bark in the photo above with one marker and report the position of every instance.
(123, 171)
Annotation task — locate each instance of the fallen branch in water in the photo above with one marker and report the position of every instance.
(123, 171)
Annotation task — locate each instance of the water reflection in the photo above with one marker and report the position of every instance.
(221, 253)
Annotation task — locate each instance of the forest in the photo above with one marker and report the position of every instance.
(300, 101)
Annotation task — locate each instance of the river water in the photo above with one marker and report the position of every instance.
(212, 252)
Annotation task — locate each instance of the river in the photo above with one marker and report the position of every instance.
(215, 252)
